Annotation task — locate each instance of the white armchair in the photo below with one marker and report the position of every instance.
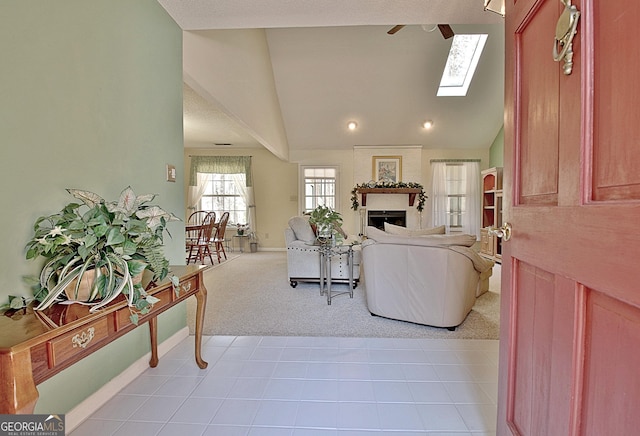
(303, 259)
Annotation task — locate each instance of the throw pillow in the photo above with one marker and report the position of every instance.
(396, 230)
(302, 229)
(399, 230)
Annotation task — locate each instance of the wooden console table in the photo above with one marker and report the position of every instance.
(36, 345)
(411, 191)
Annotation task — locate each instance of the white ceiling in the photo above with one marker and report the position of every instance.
(334, 62)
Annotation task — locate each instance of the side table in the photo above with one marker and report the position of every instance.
(36, 345)
(240, 239)
(327, 251)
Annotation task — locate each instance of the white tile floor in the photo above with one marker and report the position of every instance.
(310, 386)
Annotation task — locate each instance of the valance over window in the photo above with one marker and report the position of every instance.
(220, 165)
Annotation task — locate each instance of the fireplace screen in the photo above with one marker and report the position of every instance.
(377, 218)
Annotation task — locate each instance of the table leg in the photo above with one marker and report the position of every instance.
(350, 269)
(201, 302)
(321, 265)
(153, 334)
(328, 266)
(19, 393)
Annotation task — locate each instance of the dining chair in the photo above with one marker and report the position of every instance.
(218, 240)
(197, 217)
(198, 247)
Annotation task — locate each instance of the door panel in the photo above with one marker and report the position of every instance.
(570, 308)
(543, 333)
(616, 87)
(534, 329)
(538, 106)
(612, 330)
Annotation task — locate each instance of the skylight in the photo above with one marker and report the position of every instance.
(461, 64)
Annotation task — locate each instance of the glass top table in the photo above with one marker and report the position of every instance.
(327, 252)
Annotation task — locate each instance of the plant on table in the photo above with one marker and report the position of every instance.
(103, 246)
(241, 229)
(327, 221)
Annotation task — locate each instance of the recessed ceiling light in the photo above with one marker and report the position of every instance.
(427, 124)
(352, 125)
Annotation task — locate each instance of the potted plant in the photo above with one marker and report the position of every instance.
(328, 223)
(97, 250)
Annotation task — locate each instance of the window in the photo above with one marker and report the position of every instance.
(463, 59)
(318, 186)
(221, 193)
(456, 196)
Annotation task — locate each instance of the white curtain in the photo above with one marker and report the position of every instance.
(439, 195)
(471, 216)
(247, 194)
(195, 193)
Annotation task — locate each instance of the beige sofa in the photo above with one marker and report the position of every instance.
(303, 259)
(432, 280)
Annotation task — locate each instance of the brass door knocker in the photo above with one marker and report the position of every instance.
(565, 31)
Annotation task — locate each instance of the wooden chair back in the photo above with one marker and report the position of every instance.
(218, 241)
(198, 217)
(222, 225)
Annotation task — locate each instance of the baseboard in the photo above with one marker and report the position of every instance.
(85, 409)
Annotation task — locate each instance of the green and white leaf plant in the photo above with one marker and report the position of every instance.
(327, 222)
(116, 240)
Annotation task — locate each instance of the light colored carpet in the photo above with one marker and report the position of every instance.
(249, 295)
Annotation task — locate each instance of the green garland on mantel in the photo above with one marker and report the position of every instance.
(422, 197)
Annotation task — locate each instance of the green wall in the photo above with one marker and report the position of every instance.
(90, 98)
(496, 152)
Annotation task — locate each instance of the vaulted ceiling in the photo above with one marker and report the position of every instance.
(333, 62)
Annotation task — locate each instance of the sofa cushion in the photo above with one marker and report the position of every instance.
(302, 229)
(427, 240)
(399, 230)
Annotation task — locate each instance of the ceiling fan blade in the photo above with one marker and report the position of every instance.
(446, 30)
(394, 29)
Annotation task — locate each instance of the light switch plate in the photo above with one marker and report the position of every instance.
(171, 173)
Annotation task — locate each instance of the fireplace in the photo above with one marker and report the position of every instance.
(377, 218)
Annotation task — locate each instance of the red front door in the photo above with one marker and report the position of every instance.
(570, 314)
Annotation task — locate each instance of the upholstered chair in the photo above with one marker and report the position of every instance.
(303, 258)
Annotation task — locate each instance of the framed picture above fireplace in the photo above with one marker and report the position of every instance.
(387, 168)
